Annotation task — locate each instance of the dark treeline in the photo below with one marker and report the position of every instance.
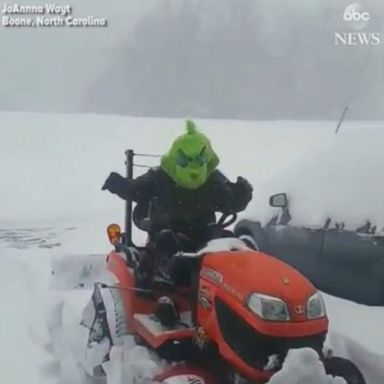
(247, 59)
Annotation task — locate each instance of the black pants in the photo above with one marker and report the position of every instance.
(172, 241)
(165, 243)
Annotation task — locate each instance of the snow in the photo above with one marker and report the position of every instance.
(306, 365)
(220, 245)
(52, 213)
(342, 180)
(17, 341)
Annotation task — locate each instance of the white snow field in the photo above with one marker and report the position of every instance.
(53, 215)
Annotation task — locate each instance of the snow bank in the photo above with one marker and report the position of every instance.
(356, 333)
(359, 322)
(301, 367)
(370, 364)
(23, 295)
(343, 180)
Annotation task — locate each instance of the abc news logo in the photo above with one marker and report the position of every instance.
(354, 15)
(357, 18)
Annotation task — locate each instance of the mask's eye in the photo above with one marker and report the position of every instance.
(201, 159)
(182, 159)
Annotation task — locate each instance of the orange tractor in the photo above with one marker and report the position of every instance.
(239, 313)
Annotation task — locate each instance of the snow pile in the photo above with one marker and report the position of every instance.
(23, 294)
(301, 367)
(132, 364)
(370, 364)
(65, 338)
(221, 245)
(356, 334)
(359, 322)
(343, 180)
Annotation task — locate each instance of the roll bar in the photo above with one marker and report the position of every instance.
(129, 165)
(129, 154)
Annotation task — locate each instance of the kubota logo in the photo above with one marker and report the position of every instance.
(299, 309)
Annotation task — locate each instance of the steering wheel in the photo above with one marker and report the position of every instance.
(227, 219)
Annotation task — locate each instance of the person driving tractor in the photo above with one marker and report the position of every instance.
(181, 196)
(176, 205)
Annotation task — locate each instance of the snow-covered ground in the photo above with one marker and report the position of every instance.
(52, 212)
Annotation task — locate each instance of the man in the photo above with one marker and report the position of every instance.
(183, 194)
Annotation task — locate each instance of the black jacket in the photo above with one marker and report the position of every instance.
(180, 208)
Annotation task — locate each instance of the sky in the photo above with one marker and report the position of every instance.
(219, 59)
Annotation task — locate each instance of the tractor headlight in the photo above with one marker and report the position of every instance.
(315, 307)
(268, 307)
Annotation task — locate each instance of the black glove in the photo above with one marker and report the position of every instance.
(243, 193)
(114, 183)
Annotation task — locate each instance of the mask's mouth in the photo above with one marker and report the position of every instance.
(194, 176)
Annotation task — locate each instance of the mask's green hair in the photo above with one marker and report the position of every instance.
(191, 127)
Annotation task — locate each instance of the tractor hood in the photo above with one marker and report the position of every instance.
(241, 271)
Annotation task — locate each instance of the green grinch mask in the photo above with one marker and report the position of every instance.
(191, 159)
